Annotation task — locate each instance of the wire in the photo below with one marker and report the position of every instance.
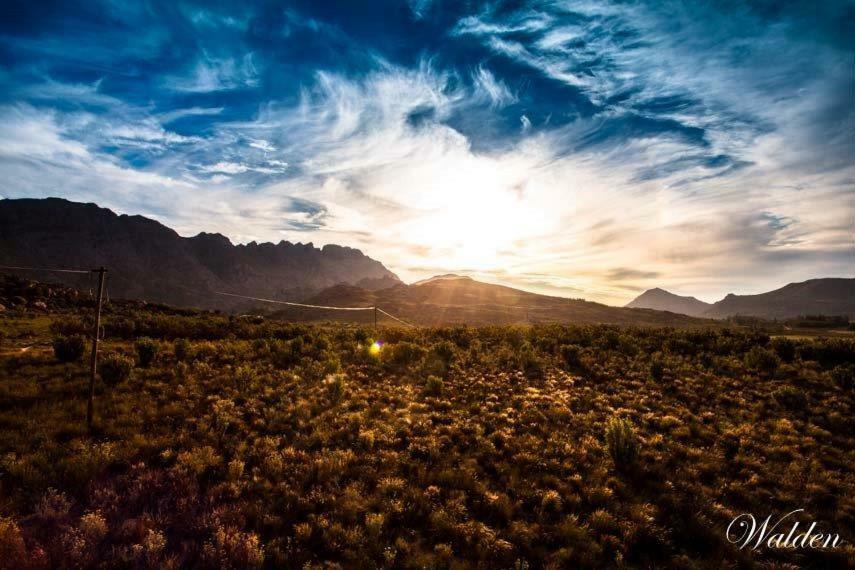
(46, 269)
(379, 310)
(325, 307)
(296, 304)
(289, 303)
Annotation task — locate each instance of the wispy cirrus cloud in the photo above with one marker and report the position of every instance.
(214, 74)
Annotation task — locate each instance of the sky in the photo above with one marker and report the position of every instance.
(582, 149)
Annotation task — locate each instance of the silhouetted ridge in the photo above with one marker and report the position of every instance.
(148, 260)
(662, 300)
(826, 296)
(452, 299)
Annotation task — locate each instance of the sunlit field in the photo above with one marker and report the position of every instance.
(232, 443)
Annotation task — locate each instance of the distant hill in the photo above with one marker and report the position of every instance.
(147, 260)
(828, 296)
(662, 300)
(452, 299)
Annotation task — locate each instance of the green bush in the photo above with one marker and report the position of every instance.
(402, 355)
(260, 347)
(245, 377)
(622, 442)
(287, 353)
(657, 369)
(434, 386)
(529, 362)
(361, 336)
(182, 349)
(785, 348)
(120, 327)
(70, 325)
(336, 386)
(445, 351)
(439, 358)
(69, 348)
(571, 356)
(762, 360)
(790, 397)
(115, 368)
(844, 376)
(147, 350)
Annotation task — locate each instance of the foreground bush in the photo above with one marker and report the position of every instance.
(622, 442)
(790, 397)
(336, 385)
(181, 347)
(571, 355)
(844, 376)
(69, 348)
(147, 350)
(115, 368)
(763, 360)
(13, 551)
(657, 369)
(434, 386)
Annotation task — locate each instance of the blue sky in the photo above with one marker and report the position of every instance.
(585, 149)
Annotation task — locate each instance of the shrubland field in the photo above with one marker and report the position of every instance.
(237, 443)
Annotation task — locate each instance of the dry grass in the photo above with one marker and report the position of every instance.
(274, 445)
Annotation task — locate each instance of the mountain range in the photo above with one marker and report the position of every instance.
(147, 260)
(829, 296)
(455, 299)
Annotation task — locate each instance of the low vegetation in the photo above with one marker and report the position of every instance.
(232, 443)
(69, 348)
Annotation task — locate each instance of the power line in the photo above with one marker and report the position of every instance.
(251, 298)
(55, 270)
(396, 318)
(296, 304)
(324, 307)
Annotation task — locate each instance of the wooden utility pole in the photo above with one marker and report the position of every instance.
(375, 318)
(90, 408)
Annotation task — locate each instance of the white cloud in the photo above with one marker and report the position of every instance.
(419, 7)
(492, 89)
(79, 93)
(145, 132)
(225, 167)
(391, 177)
(189, 112)
(262, 145)
(31, 134)
(217, 74)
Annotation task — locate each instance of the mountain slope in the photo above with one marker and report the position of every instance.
(829, 296)
(147, 260)
(451, 299)
(662, 300)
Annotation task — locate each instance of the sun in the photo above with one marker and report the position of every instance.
(481, 220)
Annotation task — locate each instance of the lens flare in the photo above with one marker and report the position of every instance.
(374, 349)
